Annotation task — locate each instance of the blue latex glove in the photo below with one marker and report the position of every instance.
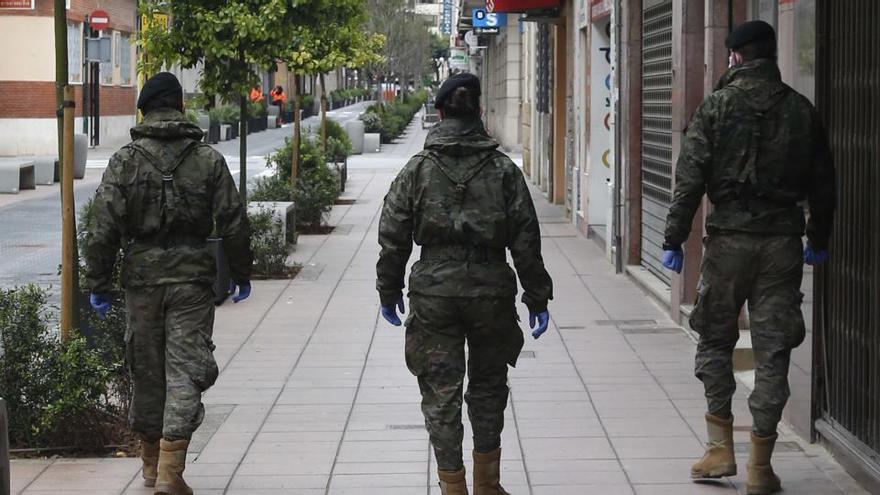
(814, 257)
(244, 291)
(100, 303)
(390, 312)
(542, 319)
(673, 259)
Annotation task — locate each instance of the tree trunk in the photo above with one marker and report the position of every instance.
(323, 114)
(294, 166)
(242, 148)
(68, 227)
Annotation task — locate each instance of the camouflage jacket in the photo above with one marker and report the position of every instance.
(461, 192)
(758, 149)
(162, 224)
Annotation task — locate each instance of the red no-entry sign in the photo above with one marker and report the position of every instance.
(99, 20)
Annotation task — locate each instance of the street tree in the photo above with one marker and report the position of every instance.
(232, 40)
(336, 38)
(407, 49)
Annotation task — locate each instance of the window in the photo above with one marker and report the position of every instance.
(107, 67)
(123, 48)
(115, 42)
(74, 52)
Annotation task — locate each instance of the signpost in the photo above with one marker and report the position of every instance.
(484, 19)
(99, 20)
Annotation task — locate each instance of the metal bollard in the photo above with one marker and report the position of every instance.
(4, 451)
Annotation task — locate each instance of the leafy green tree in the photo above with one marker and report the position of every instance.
(232, 39)
(336, 39)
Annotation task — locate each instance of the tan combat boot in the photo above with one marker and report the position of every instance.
(172, 461)
(452, 482)
(487, 474)
(150, 458)
(719, 460)
(762, 479)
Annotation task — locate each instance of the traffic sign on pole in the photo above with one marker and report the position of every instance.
(99, 20)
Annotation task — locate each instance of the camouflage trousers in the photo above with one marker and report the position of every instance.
(766, 272)
(437, 330)
(169, 352)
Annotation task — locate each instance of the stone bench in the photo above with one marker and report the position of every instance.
(16, 175)
(372, 143)
(44, 171)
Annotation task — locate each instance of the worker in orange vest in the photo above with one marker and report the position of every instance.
(257, 94)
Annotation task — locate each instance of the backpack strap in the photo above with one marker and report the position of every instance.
(460, 183)
(168, 199)
(749, 172)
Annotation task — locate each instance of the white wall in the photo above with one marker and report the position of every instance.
(39, 136)
(28, 45)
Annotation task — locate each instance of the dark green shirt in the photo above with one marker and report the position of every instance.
(758, 149)
(160, 217)
(461, 192)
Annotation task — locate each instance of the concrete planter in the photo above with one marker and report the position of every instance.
(284, 211)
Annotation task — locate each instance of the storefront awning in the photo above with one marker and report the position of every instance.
(523, 5)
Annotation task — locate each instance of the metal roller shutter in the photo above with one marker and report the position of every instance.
(656, 130)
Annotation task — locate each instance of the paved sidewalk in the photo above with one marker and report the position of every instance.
(315, 398)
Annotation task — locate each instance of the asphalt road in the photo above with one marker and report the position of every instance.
(30, 229)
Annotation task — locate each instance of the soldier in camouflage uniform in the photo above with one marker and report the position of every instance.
(465, 203)
(160, 198)
(758, 149)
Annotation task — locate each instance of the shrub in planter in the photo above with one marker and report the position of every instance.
(339, 145)
(316, 190)
(372, 122)
(268, 244)
(58, 394)
(315, 194)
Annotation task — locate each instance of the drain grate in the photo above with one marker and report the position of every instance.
(572, 327)
(344, 229)
(311, 272)
(405, 427)
(650, 331)
(625, 322)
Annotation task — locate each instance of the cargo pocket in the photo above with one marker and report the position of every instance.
(797, 329)
(414, 348)
(207, 374)
(698, 318)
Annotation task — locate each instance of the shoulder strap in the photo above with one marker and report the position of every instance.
(168, 200)
(749, 172)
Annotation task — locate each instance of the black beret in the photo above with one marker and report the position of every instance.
(463, 80)
(750, 32)
(161, 85)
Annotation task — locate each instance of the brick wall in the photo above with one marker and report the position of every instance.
(123, 13)
(20, 99)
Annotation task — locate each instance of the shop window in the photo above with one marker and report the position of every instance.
(123, 48)
(74, 52)
(107, 67)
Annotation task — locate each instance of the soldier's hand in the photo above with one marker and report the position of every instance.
(390, 312)
(542, 319)
(814, 257)
(100, 303)
(673, 259)
(244, 291)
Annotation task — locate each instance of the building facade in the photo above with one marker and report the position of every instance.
(608, 90)
(105, 91)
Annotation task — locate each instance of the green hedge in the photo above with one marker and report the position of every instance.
(316, 190)
(392, 118)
